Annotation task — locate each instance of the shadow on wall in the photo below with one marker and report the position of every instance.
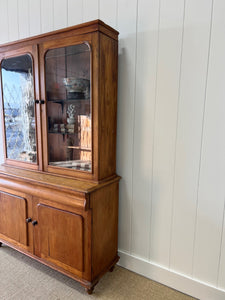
(134, 148)
(145, 210)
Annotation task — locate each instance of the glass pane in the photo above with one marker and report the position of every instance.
(67, 74)
(18, 101)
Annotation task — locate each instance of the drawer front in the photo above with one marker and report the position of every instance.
(13, 214)
(61, 237)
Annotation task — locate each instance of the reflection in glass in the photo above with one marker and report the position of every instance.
(18, 101)
(67, 77)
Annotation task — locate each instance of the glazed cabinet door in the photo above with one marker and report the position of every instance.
(19, 90)
(13, 219)
(60, 238)
(66, 89)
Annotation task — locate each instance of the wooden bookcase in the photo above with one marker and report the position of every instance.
(58, 184)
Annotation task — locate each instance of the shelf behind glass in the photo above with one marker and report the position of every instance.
(68, 95)
(60, 101)
(62, 133)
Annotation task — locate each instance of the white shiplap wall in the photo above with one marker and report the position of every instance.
(171, 129)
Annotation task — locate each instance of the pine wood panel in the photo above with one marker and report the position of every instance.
(189, 130)
(12, 219)
(167, 93)
(104, 204)
(47, 179)
(61, 237)
(105, 90)
(108, 71)
(86, 218)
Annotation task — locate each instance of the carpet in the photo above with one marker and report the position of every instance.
(22, 278)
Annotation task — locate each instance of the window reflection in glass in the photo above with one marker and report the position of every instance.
(18, 103)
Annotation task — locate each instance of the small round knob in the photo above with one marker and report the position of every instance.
(28, 220)
(34, 222)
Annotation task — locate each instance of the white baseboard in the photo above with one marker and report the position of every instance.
(170, 278)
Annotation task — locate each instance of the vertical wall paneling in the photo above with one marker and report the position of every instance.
(47, 15)
(221, 271)
(4, 27)
(189, 130)
(60, 14)
(171, 129)
(75, 12)
(23, 18)
(212, 170)
(4, 37)
(108, 12)
(168, 74)
(13, 20)
(90, 10)
(126, 94)
(34, 17)
(147, 43)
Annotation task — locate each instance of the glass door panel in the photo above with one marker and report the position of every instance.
(67, 77)
(18, 106)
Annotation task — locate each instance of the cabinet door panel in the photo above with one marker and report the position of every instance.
(66, 87)
(13, 214)
(60, 236)
(20, 114)
(67, 74)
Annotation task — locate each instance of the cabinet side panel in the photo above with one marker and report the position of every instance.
(104, 204)
(13, 213)
(108, 105)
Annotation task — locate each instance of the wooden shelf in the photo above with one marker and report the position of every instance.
(62, 133)
(79, 148)
(62, 101)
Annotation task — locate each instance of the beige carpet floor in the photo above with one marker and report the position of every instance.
(22, 278)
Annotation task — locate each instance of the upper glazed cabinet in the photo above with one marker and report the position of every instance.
(59, 97)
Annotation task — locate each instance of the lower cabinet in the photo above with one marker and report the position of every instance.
(74, 232)
(61, 237)
(13, 226)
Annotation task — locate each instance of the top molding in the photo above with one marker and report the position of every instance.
(88, 27)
